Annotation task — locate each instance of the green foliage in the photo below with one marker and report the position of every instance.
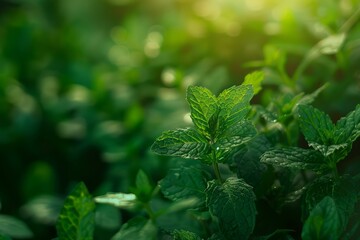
(233, 205)
(11, 227)
(77, 217)
(137, 228)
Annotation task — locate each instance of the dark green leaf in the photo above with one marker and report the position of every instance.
(186, 143)
(234, 104)
(295, 157)
(316, 126)
(233, 204)
(4, 237)
(254, 79)
(236, 135)
(202, 106)
(14, 227)
(183, 183)
(77, 218)
(185, 235)
(143, 189)
(120, 200)
(348, 128)
(323, 222)
(138, 228)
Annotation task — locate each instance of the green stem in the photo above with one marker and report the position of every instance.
(350, 22)
(217, 172)
(149, 211)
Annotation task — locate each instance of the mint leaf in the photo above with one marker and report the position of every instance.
(202, 107)
(233, 204)
(184, 182)
(144, 189)
(77, 218)
(323, 222)
(254, 79)
(236, 135)
(348, 128)
(14, 228)
(185, 235)
(138, 228)
(186, 143)
(234, 103)
(295, 157)
(316, 126)
(120, 200)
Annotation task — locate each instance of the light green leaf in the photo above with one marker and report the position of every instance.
(348, 128)
(233, 204)
(236, 135)
(234, 104)
(14, 227)
(315, 125)
(331, 44)
(77, 217)
(202, 107)
(254, 79)
(186, 143)
(138, 228)
(323, 222)
(341, 150)
(120, 200)
(295, 157)
(183, 183)
(185, 235)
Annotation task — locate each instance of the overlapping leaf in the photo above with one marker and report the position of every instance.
(233, 204)
(77, 217)
(237, 135)
(138, 228)
(186, 143)
(348, 128)
(295, 157)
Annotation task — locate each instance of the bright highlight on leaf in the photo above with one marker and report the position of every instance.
(120, 200)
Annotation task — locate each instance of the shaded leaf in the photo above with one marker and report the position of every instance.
(144, 188)
(14, 228)
(186, 143)
(233, 204)
(138, 228)
(185, 235)
(323, 222)
(77, 217)
(295, 157)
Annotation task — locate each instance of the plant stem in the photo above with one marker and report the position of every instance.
(149, 211)
(217, 172)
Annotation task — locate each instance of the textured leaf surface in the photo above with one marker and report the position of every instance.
(13, 227)
(233, 204)
(323, 222)
(77, 218)
(185, 235)
(237, 135)
(295, 157)
(254, 79)
(120, 200)
(186, 143)
(315, 125)
(182, 183)
(348, 128)
(234, 103)
(138, 228)
(202, 107)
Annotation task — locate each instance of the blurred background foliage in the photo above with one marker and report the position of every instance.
(86, 86)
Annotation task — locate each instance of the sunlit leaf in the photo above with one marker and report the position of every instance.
(120, 200)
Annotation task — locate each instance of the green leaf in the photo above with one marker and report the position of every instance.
(14, 227)
(236, 135)
(331, 44)
(185, 235)
(316, 126)
(186, 143)
(323, 222)
(182, 183)
(234, 104)
(144, 189)
(120, 200)
(202, 107)
(138, 228)
(254, 79)
(295, 157)
(4, 237)
(233, 204)
(77, 218)
(309, 98)
(348, 128)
